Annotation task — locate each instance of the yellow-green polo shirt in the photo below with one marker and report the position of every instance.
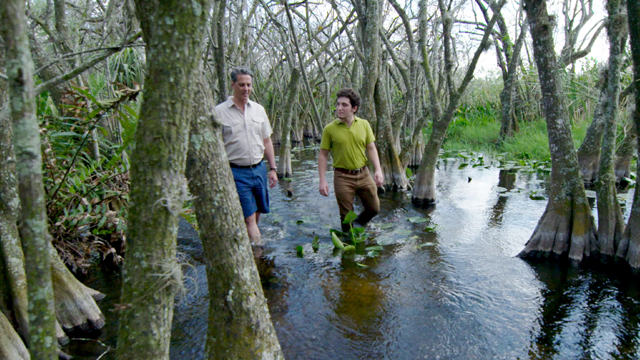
(348, 144)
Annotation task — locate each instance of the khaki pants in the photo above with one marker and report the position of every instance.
(348, 185)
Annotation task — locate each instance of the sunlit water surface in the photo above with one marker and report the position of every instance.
(458, 292)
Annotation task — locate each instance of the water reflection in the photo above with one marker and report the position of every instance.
(586, 313)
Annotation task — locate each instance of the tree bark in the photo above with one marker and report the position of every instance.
(610, 221)
(26, 141)
(284, 160)
(239, 322)
(173, 32)
(629, 248)
(566, 227)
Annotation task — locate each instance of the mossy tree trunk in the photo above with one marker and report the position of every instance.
(173, 32)
(239, 322)
(610, 221)
(629, 248)
(566, 227)
(284, 160)
(33, 221)
(424, 190)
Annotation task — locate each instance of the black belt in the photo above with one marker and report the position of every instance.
(351, 172)
(245, 166)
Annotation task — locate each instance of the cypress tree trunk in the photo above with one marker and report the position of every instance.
(239, 322)
(369, 22)
(629, 248)
(218, 51)
(508, 93)
(610, 221)
(395, 176)
(625, 153)
(589, 151)
(173, 32)
(26, 142)
(284, 160)
(566, 227)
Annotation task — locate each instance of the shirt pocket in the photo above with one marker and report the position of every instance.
(229, 127)
(257, 123)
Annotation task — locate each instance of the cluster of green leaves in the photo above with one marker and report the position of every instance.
(86, 175)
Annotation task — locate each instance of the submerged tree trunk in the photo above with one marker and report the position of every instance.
(284, 160)
(566, 227)
(629, 248)
(610, 221)
(239, 322)
(151, 275)
(26, 141)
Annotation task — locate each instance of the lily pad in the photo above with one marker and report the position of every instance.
(418, 220)
(315, 243)
(300, 250)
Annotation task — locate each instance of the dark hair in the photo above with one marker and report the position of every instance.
(352, 95)
(240, 70)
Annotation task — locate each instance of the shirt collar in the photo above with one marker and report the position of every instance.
(230, 102)
(338, 121)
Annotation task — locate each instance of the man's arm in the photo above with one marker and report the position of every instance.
(372, 152)
(271, 159)
(322, 170)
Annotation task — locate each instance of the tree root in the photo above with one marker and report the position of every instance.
(75, 303)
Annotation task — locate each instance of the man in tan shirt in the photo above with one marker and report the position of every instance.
(247, 140)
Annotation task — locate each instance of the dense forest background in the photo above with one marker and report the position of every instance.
(106, 110)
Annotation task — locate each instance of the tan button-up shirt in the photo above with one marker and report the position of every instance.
(244, 134)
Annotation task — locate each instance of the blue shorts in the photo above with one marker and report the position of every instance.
(252, 187)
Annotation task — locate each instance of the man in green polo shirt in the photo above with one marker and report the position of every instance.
(349, 138)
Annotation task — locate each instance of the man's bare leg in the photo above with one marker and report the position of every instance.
(252, 229)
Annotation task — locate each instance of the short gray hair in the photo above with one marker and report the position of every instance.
(240, 70)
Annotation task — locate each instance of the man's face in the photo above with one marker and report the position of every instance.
(242, 87)
(344, 109)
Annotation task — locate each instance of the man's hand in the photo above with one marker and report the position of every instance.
(324, 188)
(273, 178)
(378, 178)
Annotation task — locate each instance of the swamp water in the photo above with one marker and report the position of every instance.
(446, 285)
